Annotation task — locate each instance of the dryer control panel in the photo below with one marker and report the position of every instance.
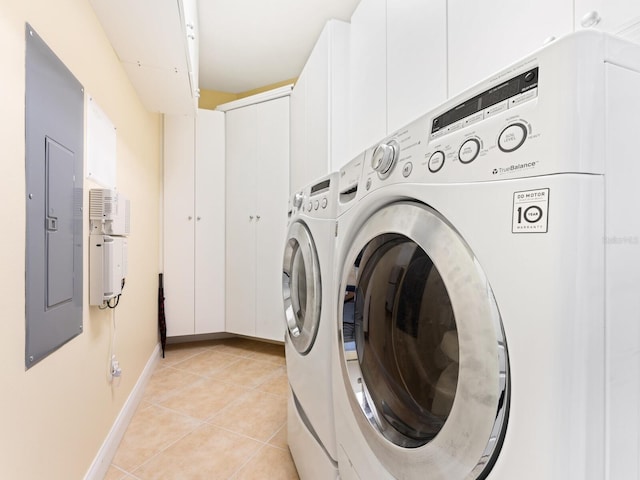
(317, 200)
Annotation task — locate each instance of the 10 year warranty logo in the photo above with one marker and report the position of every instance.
(530, 211)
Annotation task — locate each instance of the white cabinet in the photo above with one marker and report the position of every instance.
(319, 108)
(621, 17)
(194, 196)
(257, 140)
(485, 37)
(398, 60)
(416, 59)
(368, 76)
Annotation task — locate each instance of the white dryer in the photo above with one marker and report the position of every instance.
(488, 316)
(309, 314)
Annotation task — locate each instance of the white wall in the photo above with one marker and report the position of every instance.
(56, 415)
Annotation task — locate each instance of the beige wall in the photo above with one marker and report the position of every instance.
(55, 416)
(210, 99)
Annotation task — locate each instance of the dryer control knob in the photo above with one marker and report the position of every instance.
(384, 158)
(297, 199)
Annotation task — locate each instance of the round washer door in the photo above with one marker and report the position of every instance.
(301, 287)
(423, 355)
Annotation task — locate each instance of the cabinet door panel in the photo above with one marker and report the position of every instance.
(209, 223)
(179, 140)
(241, 148)
(338, 139)
(485, 37)
(317, 157)
(272, 197)
(299, 131)
(368, 72)
(416, 59)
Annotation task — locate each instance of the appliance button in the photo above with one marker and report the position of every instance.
(324, 202)
(512, 137)
(495, 109)
(476, 117)
(309, 206)
(316, 205)
(528, 76)
(368, 185)
(436, 161)
(406, 170)
(523, 97)
(469, 150)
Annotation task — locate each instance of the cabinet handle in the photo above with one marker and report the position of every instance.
(250, 217)
(591, 19)
(198, 218)
(189, 217)
(257, 217)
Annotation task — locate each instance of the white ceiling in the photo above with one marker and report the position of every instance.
(246, 44)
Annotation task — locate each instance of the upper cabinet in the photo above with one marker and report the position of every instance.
(484, 37)
(621, 17)
(319, 108)
(416, 59)
(159, 56)
(367, 76)
(398, 57)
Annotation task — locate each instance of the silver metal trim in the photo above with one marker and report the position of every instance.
(468, 443)
(301, 248)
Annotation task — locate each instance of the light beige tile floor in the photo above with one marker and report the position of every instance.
(211, 410)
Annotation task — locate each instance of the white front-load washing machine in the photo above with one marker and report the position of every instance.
(309, 315)
(488, 316)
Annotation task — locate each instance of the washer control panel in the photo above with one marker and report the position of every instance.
(507, 94)
(480, 139)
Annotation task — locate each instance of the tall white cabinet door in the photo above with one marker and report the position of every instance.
(179, 144)
(209, 222)
(485, 37)
(416, 59)
(338, 140)
(298, 130)
(620, 17)
(317, 106)
(242, 154)
(271, 206)
(368, 76)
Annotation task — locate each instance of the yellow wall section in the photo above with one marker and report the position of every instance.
(210, 99)
(56, 415)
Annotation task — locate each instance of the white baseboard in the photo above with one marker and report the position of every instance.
(107, 451)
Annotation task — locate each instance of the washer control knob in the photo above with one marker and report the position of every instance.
(512, 137)
(297, 199)
(436, 161)
(384, 158)
(469, 150)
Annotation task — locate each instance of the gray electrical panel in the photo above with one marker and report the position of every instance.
(54, 124)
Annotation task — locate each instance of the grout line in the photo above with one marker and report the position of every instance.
(164, 395)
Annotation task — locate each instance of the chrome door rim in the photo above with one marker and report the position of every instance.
(300, 247)
(471, 437)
